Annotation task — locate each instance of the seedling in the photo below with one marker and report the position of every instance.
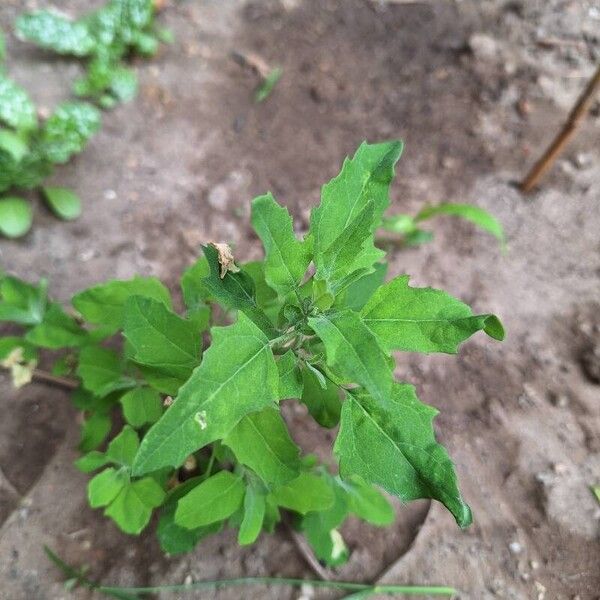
(104, 38)
(29, 150)
(269, 76)
(311, 323)
(412, 234)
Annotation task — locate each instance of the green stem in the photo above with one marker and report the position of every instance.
(133, 592)
(283, 339)
(418, 590)
(211, 461)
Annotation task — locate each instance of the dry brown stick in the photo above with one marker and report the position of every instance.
(306, 553)
(252, 61)
(45, 377)
(560, 141)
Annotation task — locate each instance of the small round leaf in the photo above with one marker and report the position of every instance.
(64, 203)
(15, 217)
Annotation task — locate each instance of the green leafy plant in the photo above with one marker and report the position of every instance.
(312, 323)
(105, 38)
(412, 234)
(30, 148)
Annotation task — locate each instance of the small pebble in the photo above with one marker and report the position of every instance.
(540, 589)
(582, 160)
(483, 46)
(515, 547)
(559, 399)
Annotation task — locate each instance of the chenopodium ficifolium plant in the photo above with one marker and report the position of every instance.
(313, 323)
(105, 38)
(29, 150)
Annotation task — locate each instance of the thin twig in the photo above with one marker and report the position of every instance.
(252, 61)
(306, 552)
(64, 382)
(576, 115)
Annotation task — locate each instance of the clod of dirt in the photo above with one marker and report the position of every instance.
(484, 47)
(590, 363)
(568, 501)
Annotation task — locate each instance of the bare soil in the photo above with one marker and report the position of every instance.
(476, 89)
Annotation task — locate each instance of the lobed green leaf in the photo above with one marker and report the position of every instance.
(104, 304)
(395, 448)
(239, 364)
(364, 178)
(337, 265)
(161, 340)
(423, 319)
(353, 352)
(286, 258)
(101, 371)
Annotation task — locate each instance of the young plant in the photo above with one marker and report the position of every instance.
(30, 149)
(105, 38)
(412, 234)
(312, 323)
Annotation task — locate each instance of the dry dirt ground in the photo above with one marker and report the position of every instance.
(476, 88)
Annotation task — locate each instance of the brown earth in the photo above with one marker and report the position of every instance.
(476, 89)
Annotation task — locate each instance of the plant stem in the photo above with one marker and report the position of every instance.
(120, 592)
(64, 382)
(306, 552)
(211, 461)
(560, 141)
(417, 590)
(283, 339)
